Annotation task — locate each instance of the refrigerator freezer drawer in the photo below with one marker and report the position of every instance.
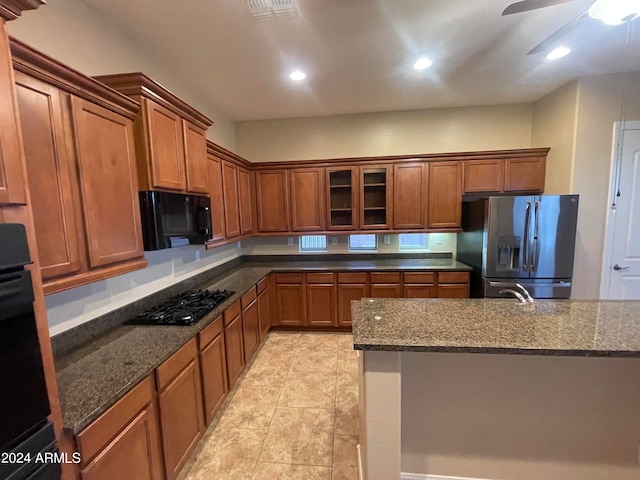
(537, 288)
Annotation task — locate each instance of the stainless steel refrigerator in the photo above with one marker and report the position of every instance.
(523, 239)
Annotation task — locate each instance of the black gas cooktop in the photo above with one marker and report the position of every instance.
(184, 309)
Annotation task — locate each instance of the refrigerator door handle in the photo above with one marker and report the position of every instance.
(535, 253)
(525, 240)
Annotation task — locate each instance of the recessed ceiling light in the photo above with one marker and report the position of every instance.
(422, 63)
(558, 53)
(297, 75)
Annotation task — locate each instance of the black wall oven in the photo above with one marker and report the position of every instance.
(24, 406)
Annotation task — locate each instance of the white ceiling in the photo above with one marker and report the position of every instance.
(358, 54)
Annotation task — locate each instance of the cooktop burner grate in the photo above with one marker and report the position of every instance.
(184, 309)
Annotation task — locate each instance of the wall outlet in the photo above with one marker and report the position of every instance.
(197, 255)
(334, 240)
(290, 241)
(437, 239)
(386, 239)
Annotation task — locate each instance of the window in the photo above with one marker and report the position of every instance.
(313, 243)
(363, 242)
(413, 241)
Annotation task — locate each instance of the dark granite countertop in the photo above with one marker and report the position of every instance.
(501, 326)
(94, 376)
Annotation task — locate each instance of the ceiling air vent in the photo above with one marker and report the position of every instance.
(273, 8)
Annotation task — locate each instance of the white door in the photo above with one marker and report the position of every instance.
(624, 259)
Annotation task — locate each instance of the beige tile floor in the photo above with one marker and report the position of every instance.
(292, 416)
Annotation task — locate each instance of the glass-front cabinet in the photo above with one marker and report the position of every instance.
(375, 197)
(342, 198)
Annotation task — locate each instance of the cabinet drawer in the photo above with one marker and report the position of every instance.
(352, 277)
(385, 277)
(175, 364)
(288, 277)
(248, 297)
(232, 312)
(321, 277)
(210, 332)
(96, 436)
(453, 277)
(419, 277)
(262, 285)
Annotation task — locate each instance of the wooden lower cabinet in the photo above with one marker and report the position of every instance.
(180, 406)
(321, 305)
(234, 345)
(420, 291)
(453, 285)
(386, 290)
(213, 366)
(124, 442)
(290, 299)
(264, 311)
(250, 329)
(347, 292)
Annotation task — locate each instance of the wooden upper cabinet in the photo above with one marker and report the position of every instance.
(524, 174)
(108, 182)
(409, 195)
(216, 194)
(342, 198)
(52, 175)
(195, 154)
(166, 147)
(482, 176)
(307, 199)
(445, 195)
(273, 200)
(231, 198)
(376, 197)
(172, 145)
(12, 188)
(245, 197)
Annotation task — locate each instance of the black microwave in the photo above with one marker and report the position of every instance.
(174, 219)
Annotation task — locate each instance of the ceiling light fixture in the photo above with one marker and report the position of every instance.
(558, 53)
(297, 75)
(422, 63)
(615, 12)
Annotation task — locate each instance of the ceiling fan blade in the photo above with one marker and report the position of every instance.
(528, 5)
(554, 39)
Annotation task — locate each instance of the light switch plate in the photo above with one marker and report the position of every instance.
(197, 255)
(334, 240)
(386, 239)
(290, 241)
(437, 239)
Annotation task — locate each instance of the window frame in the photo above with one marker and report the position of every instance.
(363, 249)
(302, 249)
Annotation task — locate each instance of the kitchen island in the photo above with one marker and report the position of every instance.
(495, 390)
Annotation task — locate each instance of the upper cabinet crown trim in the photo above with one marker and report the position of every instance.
(138, 84)
(40, 66)
(12, 9)
(223, 153)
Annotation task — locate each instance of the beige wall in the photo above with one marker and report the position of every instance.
(554, 125)
(74, 33)
(520, 417)
(390, 133)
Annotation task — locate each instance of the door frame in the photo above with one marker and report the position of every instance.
(610, 224)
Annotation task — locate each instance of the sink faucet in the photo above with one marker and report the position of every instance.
(518, 295)
(525, 293)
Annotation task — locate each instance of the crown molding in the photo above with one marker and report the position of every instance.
(12, 9)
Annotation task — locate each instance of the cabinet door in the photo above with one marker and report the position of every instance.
(342, 198)
(321, 305)
(109, 184)
(483, 176)
(231, 201)
(409, 194)
(273, 201)
(524, 174)
(420, 291)
(346, 293)
(234, 350)
(214, 376)
(307, 199)
(246, 203)
(376, 199)
(445, 195)
(181, 418)
(290, 301)
(214, 169)
(12, 188)
(264, 312)
(166, 147)
(250, 330)
(52, 176)
(386, 290)
(195, 157)
(454, 290)
(133, 453)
